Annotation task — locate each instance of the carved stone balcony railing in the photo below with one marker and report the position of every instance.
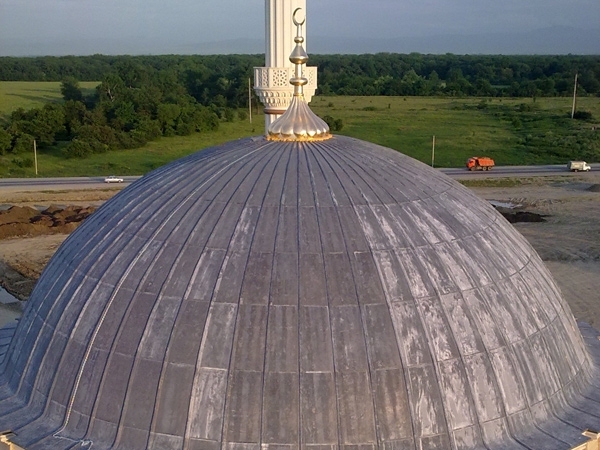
(272, 85)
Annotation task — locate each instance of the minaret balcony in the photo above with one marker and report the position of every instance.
(272, 85)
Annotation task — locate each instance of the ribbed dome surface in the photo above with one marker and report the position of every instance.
(287, 296)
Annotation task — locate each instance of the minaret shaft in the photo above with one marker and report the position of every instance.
(272, 82)
(279, 36)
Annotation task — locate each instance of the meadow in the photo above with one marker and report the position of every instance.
(33, 94)
(513, 131)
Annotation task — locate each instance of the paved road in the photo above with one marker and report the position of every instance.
(458, 173)
(61, 183)
(513, 171)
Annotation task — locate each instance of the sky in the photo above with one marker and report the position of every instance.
(59, 27)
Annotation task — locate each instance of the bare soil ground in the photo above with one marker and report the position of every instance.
(568, 240)
(23, 258)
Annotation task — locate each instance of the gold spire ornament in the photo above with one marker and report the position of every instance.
(298, 123)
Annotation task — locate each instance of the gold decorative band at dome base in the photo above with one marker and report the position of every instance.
(298, 138)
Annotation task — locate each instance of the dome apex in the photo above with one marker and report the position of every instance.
(298, 123)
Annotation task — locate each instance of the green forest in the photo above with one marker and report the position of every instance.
(139, 99)
(368, 74)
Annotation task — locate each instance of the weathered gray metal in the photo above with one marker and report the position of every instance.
(287, 295)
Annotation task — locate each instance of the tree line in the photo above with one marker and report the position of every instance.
(133, 103)
(457, 75)
(140, 98)
(369, 74)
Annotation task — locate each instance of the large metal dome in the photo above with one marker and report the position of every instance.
(297, 295)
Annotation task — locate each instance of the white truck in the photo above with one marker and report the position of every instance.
(576, 166)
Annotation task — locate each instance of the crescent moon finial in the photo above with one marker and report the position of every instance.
(294, 18)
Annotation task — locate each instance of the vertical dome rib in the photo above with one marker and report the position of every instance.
(285, 293)
(208, 264)
(351, 363)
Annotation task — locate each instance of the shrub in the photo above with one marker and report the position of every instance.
(228, 115)
(184, 128)
(77, 149)
(524, 107)
(23, 162)
(582, 115)
(70, 90)
(205, 119)
(23, 143)
(5, 141)
(99, 133)
(334, 124)
(149, 128)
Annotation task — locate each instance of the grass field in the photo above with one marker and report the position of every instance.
(138, 161)
(512, 131)
(32, 94)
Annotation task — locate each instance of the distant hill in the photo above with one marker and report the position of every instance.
(129, 46)
(547, 41)
(553, 41)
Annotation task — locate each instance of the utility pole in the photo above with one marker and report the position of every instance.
(574, 98)
(35, 157)
(250, 99)
(433, 151)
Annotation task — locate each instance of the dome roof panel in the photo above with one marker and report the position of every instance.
(331, 293)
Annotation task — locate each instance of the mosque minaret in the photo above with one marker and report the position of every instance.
(272, 82)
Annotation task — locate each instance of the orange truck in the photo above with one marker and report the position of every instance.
(480, 163)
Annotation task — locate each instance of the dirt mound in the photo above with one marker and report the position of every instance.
(18, 214)
(26, 221)
(523, 216)
(594, 188)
